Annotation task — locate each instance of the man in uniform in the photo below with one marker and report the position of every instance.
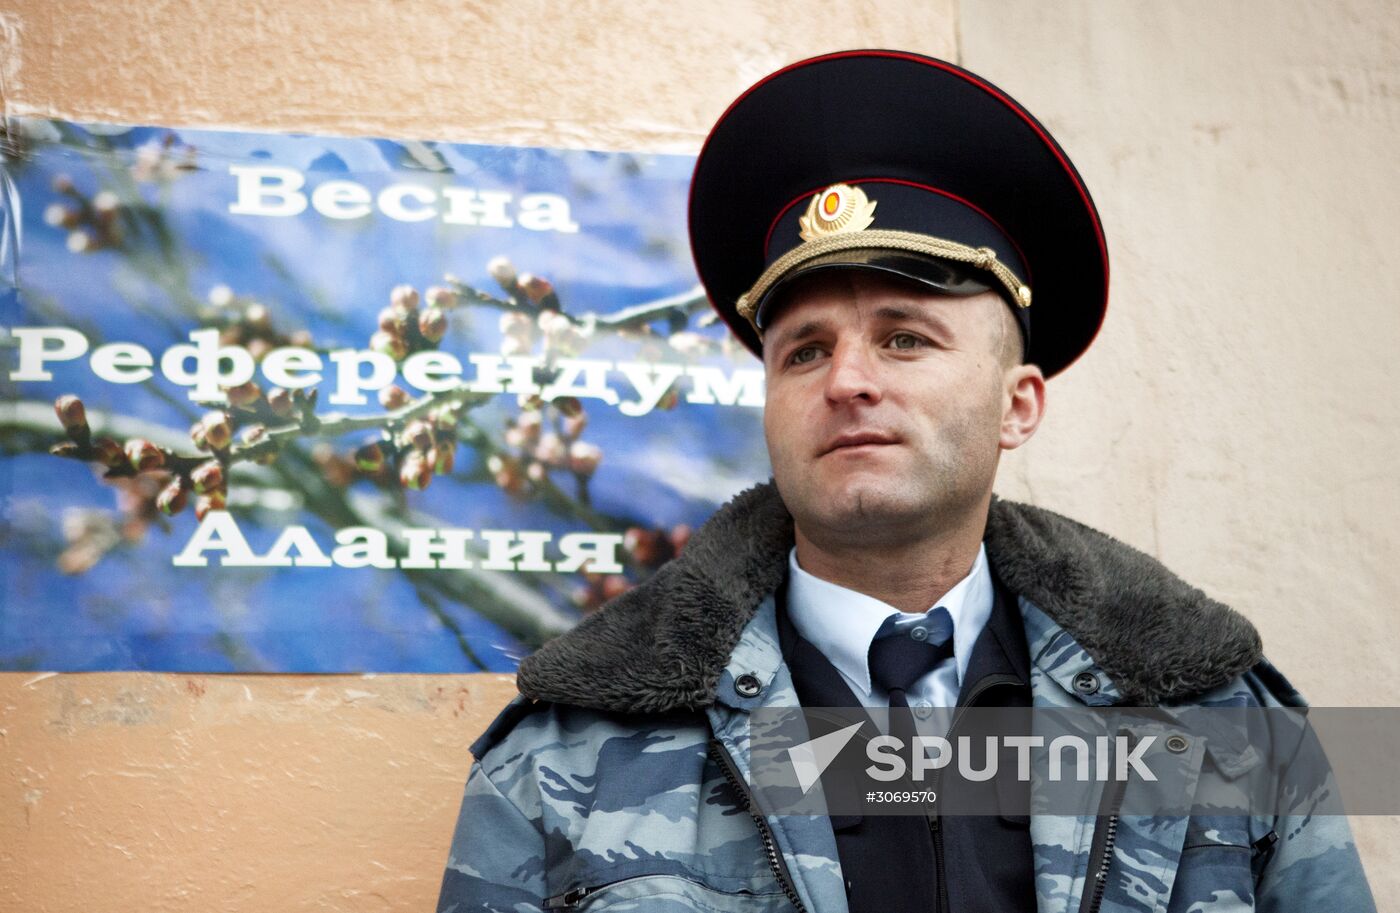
(911, 255)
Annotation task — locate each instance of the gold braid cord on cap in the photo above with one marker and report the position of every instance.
(980, 257)
(838, 218)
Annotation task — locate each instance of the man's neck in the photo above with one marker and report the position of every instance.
(911, 575)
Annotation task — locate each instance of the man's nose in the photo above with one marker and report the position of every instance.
(852, 374)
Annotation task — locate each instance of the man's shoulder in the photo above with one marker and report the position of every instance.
(1159, 638)
(505, 722)
(1261, 685)
(537, 731)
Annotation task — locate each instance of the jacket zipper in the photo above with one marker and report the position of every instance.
(574, 897)
(935, 820)
(770, 845)
(1101, 847)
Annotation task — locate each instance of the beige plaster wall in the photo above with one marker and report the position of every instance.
(1233, 419)
(142, 793)
(1236, 417)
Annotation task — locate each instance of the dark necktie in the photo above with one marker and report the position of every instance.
(901, 654)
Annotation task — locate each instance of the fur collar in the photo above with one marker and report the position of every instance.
(663, 645)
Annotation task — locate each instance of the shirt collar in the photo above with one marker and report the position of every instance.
(841, 622)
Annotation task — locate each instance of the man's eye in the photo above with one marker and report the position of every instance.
(905, 341)
(803, 355)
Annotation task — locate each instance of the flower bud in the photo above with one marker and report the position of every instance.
(218, 433)
(80, 242)
(415, 472)
(394, 320)
(530, 423)
(584, 457)
(537, 472)
(105, 202)
(551, 449)
(257, 315)
(419, 434)
(207, 476)
(514, 323)
(108, 452)
(65, 449)
(214, 500)
(443, 457)
(444, 419)
(514, 345)
(553, 323)
(173, 497)
(511, 481)
(569, 406)
(632, 536)
(687, 343)
(503, 271)
(62, 183)
(370, 457)
(245, 394)
(221, 296)
(59, 216)
(441, 297)
(679, 536)
(574, 425)
(615, 585)
(250, 436)
(280, 401)
(72, 416)
(389, 344)
(393, 397)
(404, 296)
(536, 288)
(432, 323)
(648, 546)
(144, 455)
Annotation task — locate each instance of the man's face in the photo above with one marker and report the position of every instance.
(886, 403)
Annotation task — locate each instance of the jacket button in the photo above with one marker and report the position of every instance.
(1177, 744)
(747, 685)
(1086, 683)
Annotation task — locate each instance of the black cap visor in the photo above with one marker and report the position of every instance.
(939, 275)
(943, 276)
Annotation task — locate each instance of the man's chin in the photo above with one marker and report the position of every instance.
(873, 508)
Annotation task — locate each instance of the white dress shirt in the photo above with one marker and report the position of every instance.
(842, 623)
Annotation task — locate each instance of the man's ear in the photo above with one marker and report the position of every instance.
(1023, 405)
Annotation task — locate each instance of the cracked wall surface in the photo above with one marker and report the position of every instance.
(1233, 419)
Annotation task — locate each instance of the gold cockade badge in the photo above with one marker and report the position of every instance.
(838, 208)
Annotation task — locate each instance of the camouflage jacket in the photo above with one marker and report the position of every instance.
(618, 779)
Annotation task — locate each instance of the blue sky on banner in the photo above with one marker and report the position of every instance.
(132, 607)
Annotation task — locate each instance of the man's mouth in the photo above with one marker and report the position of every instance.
(853, 439)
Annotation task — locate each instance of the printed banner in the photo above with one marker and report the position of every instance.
(304, 404)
